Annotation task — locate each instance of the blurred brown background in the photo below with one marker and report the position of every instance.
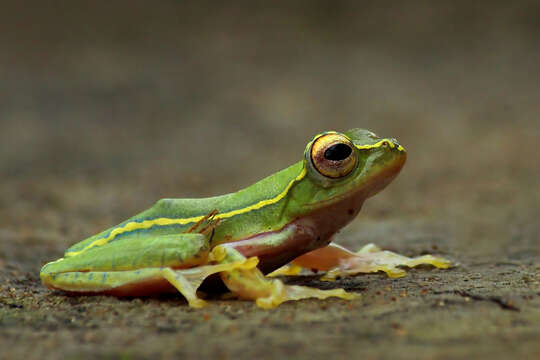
(105, 108)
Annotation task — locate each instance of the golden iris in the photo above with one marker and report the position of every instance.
(333, 155)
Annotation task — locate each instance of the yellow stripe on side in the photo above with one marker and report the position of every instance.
(378, 144)
(131, 226)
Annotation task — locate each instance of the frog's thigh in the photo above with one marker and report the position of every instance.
(339, 261)
(268, 293)
(132, 253)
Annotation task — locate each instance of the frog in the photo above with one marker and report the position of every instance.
(281, 225)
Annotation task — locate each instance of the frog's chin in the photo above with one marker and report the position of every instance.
(377, 182)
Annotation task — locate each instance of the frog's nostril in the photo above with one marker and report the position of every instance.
(395, 144)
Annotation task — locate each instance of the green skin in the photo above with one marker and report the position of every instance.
(276, 219)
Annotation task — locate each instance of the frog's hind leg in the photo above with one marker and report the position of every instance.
(268, 293)
(146, 281)
(145, 265)
(339, 261)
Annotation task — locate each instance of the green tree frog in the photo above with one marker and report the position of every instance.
(289, 217)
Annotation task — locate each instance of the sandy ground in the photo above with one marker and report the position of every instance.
(105, 109)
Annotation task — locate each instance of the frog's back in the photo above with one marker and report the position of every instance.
(174, 216)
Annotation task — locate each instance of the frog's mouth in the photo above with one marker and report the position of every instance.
(384, 177)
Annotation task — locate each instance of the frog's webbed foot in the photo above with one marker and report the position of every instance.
(338, 261)
(268, 293)
(372, 259)
(280, 293)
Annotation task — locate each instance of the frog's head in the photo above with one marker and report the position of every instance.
(356, 164)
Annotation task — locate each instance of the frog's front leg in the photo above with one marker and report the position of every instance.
(268, 293)
(339, 261)
(188, 281)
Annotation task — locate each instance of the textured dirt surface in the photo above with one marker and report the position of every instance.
(105, 109)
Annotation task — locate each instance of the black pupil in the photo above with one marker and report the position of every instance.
(338, 152)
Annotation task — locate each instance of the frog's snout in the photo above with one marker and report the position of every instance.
(396, 151)
(393, 144)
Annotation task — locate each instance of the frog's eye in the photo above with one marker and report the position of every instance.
(333, 155)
